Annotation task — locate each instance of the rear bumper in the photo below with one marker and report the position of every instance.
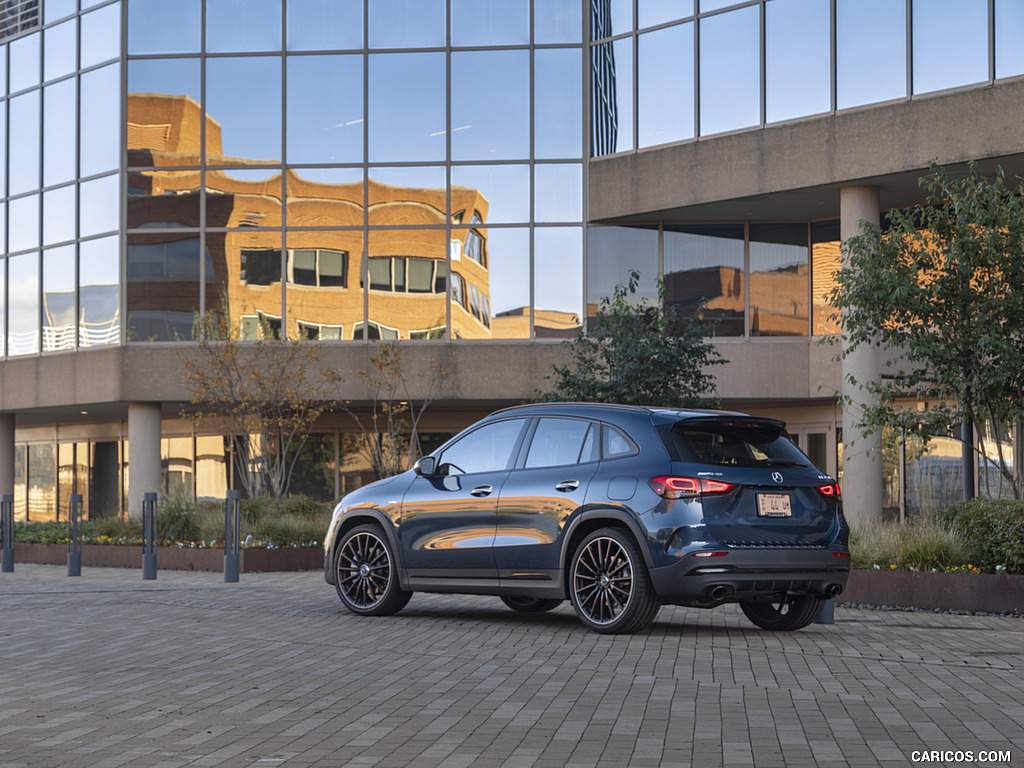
(743, 574)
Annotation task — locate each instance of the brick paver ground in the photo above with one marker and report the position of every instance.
(108, 670)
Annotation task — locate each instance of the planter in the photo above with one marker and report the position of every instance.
(986, 592)
(174, 559)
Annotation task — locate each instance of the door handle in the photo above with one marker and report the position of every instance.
(567, 485)
(481, 490)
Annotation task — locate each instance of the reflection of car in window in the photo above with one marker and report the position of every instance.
(618, 509)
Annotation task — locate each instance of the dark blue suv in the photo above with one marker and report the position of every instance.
(619, 509)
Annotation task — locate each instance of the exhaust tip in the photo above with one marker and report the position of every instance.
(719, 592)
(833, 590)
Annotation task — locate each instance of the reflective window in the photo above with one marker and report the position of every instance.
(778, 279)
(41, 482)
(407, 23)
(59, 310)
(24, 53)
(58, 9)
(665, 91)
(705, 263)
(101, 35)
(3, 157)
(163, 200)
(490, 22)
(237, 26)
(176, 467)
(59, 215)
(879, 26)
(612, 253)
(59, 117)
(60, 46)
(826, 260)
(244, 198)
(401, 85)
(420, 177)
(487, 449)
(163, 283)
(1009, 24)
(558, 192)
(615, 443)
(714, 5)
(557, 442)
(325, 109)
(23, 231)
(557, 103)
(561, 22)
(322, 272)
(557, 281)
(99, 206)
(505, 188)
(405, 274)
(164, 117)
(797, 58)
(244, 96)
(212, 467)
(611, 84)
(99, 280)
(23, 304)
(653, 12)
(100, 113)
(3, 304)
(490, 123)
(156, 26)
(325, 197)
(506, 294)
(947, 66)
(611, 17)
(730, 65)
(325, 25)
(23, 152)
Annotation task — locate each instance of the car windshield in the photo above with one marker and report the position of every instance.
(746, 445)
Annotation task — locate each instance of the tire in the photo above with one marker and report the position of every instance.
(783, 613)
(530, 604)
(366, 573)
(609, 586)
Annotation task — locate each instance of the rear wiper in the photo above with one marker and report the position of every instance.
(782, 463)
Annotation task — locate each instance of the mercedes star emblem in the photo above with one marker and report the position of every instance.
(777, 477)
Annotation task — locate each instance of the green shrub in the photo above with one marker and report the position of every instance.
(923, 545)
(176, 519)
(48, 532)
(995, 530)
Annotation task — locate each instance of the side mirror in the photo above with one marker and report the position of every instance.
(426, 466)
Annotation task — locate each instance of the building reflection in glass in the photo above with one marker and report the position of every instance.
(340, 259)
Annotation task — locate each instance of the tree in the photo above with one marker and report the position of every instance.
(639, 354)
(391, 431)
(268, 394)
(941, 290)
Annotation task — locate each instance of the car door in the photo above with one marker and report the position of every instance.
(449, 518)
(540, 495)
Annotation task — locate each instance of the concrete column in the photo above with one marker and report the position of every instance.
(6, 453)
(143, 453)
(862, 456)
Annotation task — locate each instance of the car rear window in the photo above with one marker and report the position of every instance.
(739, 445)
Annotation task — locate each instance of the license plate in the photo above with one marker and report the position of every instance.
(774, 505)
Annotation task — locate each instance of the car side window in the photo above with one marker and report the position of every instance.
(616, 444)
(558, 442)
(487, 449)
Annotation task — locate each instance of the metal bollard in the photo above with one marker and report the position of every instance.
(232, 519)
(7, 533)
(149, 536)
(74, 543)
(828, 613)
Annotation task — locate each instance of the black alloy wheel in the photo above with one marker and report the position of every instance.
(609, 585)
(365, 574)
(530, 604)
(783, 612)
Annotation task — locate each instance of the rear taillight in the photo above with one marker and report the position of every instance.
(687, 487)
(831, 489)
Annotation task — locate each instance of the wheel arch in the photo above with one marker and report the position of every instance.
(362, 516)
(593, 520)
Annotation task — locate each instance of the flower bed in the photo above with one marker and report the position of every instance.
(985, 592)
(176, 558)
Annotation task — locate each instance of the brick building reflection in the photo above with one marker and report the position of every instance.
(323, 271)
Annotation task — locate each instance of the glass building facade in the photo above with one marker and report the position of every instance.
(342, 171)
